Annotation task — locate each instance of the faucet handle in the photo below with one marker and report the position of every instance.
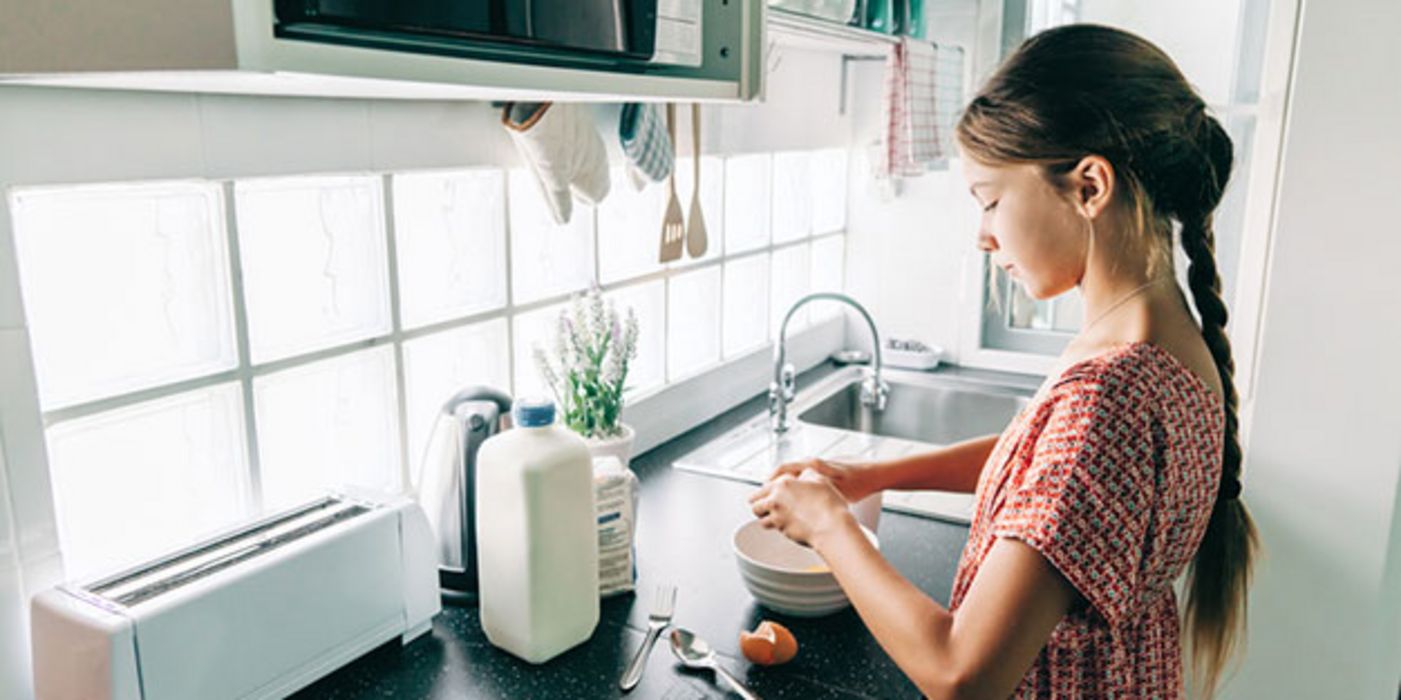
(875, 392)
(781, 392)
(788, 381)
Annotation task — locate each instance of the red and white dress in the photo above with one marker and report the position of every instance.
(1111, 475)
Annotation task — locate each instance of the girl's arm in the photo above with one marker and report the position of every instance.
(952, 468)
(983, 650)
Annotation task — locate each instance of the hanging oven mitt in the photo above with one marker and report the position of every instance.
(643, 137)
(564, 150)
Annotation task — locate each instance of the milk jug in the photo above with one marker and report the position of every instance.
(537, 538)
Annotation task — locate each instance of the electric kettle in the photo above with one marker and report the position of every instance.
(447, 482)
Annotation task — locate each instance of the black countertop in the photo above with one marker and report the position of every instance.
(684, 528)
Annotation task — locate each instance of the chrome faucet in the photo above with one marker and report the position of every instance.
(874, 390)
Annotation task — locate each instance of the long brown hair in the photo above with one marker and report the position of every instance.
(1079, 90)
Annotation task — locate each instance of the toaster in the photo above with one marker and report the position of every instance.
(257, 612)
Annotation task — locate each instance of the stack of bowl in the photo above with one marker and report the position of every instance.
(785, 576)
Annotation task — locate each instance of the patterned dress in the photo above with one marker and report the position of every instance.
(1111, 475)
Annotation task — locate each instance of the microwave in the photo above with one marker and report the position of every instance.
(624, 35)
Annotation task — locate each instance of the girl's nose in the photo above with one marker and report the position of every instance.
(986, 243)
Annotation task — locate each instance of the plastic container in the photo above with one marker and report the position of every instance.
(910, 354)
(537, 536)
(615, 493)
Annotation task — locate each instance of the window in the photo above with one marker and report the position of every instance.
(207, 351)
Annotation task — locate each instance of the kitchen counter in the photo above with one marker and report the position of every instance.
(684, 529)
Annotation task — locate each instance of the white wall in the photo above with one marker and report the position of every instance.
(908, 248)
(1323, 460)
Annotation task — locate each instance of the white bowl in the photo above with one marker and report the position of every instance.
(785, 576)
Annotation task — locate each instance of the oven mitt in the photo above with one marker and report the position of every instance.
(559, 142)
(642, 134)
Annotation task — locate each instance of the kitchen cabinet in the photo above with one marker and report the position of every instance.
(229, 46)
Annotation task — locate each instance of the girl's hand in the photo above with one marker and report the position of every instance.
(806, 509)
(853, 481)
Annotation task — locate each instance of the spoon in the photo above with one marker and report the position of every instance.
(695, 653)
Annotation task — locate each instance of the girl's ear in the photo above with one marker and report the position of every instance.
(1092, 181)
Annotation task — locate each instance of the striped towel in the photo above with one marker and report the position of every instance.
(923, 91)
(642, 134)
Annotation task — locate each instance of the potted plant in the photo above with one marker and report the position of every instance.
(588, 371)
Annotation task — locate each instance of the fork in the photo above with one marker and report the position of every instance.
(663, 603)
(674, 223)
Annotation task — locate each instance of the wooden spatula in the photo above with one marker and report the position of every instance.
(673, 224)
(695, 227)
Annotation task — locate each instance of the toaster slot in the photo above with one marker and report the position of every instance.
(170, 573)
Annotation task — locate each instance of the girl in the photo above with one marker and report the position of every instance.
(1124, 470)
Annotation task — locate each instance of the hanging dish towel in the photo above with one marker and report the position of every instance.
(559, 142)
(912, 135)
(642, 134)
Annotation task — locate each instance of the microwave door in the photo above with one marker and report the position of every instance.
(596, 25)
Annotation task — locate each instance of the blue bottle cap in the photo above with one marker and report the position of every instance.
(533, 412)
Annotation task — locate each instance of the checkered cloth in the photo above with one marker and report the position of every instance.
(923, 91)
(642, 133)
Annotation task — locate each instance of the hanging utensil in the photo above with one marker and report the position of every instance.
(695, 228)
(673, 224)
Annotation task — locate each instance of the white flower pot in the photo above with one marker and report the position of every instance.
(619, 446)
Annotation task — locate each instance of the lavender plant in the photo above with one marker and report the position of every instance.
(590, 364)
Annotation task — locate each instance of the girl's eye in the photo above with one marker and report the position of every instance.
(990, 206)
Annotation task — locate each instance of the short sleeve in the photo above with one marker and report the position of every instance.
(1085, 498)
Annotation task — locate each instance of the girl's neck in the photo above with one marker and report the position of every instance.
(1116, 303)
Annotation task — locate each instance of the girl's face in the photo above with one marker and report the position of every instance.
(1032, 230)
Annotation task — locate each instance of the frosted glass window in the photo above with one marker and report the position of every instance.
(450, 236)
(314, 263)
(746, 304)
(829, 190)
(326, 425)
(792, 196)
(437, 366)
(828, 263)
(693, 334)
(747, 187)
(630, 229)
(792, 277)
(139, 481)
(125, 287)
(648, 301)
(712, 202)
(547, 259)
(531, 330)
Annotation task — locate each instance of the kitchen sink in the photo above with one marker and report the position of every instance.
(924, 410)
(935, 411)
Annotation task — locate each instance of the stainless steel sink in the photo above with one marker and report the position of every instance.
(939, 412)
(926, 410)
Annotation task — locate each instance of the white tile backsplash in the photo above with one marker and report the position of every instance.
(328, 424)
(547, 259)
(450, 243)
(792, 196)
(748, 218)
(629, 229)
(693, 327)
(134, 482)
(314, 260)
(140, 271)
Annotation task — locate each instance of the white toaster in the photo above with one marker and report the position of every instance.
(256, 613)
